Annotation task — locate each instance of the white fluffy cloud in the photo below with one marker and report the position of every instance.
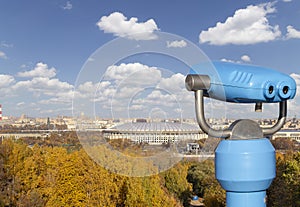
(45, 89)
(125, 82)
(227, 60)
(133, 73)
(156, 98)
(294, 105)
(3, 55)
(292, 32)
(246, 26)
(175, 83)
(297, 78)
(40, 70)
(6, 80)
(134, 89)
(37, 90)
(246, 58)
(99, 92)
(68, 6)
(120, 84)
(117, 24)
(5, 44)
(44, 84)
(20, 103)
(177, 43)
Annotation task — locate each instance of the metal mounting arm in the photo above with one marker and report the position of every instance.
(280, 121)
(199, 106)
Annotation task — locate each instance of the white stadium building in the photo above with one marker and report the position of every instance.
(155, 132)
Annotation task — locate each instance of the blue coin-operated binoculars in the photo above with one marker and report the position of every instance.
(245, 160)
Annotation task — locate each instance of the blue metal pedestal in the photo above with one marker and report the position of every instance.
(245, 169)
(252, 199)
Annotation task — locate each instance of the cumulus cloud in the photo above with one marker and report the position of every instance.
(156, 98)
(43, 86)
(21, 103)
(6, 45)
(2, 55)
(125, 82)
(292, 32)
(68, 6)
(37, 86)
(87, 87)
(176, 43)
(46, 93)
(135, 89)
(297, 78)
(105, 90)
(246, 58)
(133, 73)
(227, 60)
(174, 83)
(64, 98)
(6, 80)
(294, 105)
(96, 92)
(117, 24)
(120, 84)
(40, 70)
(246, 26)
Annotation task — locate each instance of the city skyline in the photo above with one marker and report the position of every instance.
(45, 44)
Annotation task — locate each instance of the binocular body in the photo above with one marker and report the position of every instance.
(242, 83)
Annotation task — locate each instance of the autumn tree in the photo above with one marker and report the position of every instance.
(176, 182)
(285, 190)
(202, 177)
(283, 144)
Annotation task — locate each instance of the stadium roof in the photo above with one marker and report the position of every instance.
(156, 127)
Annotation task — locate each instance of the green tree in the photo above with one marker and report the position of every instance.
(6, 148)
(202, 177)
(285, 190)
(176, 182)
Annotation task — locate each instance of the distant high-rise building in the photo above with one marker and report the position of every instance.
(0, 112)
(48, 123)
(23, 116)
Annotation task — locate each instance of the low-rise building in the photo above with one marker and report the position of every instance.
(288, 133)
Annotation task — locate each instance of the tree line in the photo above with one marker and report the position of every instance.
(48, 175)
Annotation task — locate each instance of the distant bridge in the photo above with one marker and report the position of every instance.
(30, 133)
(207, 156)
(22, 135)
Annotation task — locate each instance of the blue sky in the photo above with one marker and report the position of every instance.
(45, 43)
